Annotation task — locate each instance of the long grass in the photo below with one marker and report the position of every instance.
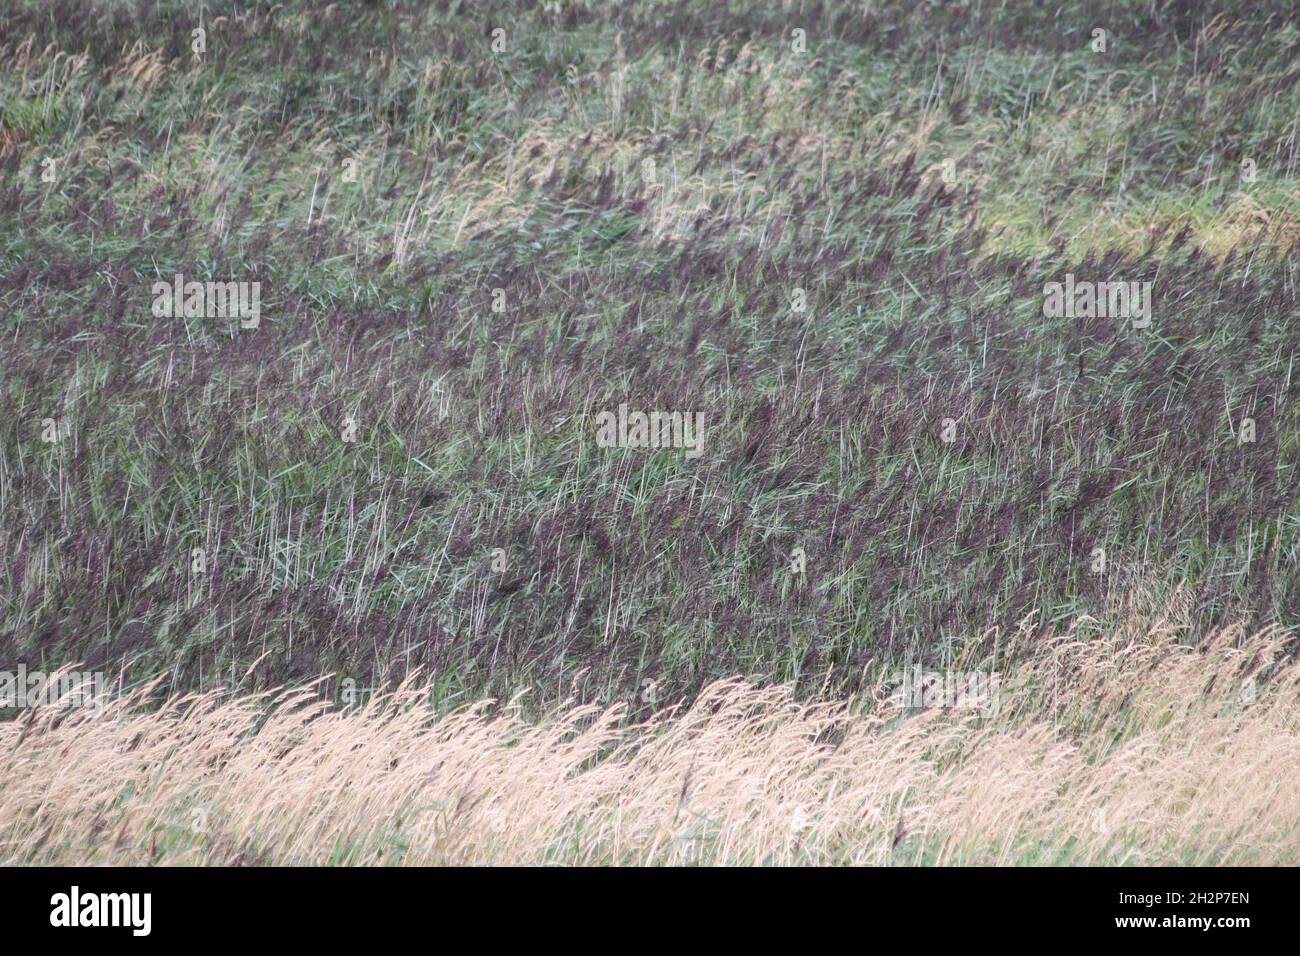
(824, 226)
(1128, 748)
(648, 185)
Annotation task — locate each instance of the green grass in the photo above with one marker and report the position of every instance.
(669, 288)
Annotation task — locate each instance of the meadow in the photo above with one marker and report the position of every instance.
(1130, 749)
(825, 231)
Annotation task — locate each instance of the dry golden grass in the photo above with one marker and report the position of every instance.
(1127, 748)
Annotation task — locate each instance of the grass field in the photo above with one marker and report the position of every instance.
(825, 231)
(1103, 751)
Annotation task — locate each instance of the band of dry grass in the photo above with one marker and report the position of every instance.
(1129, 748)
